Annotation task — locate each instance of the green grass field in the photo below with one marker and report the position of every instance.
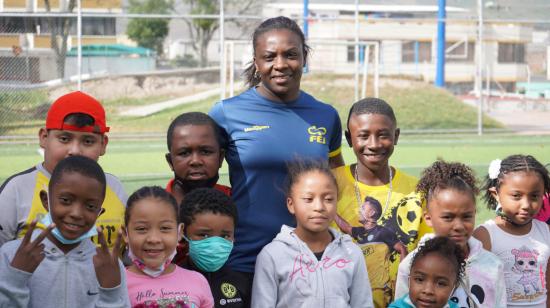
(141, 162)
(419, 106)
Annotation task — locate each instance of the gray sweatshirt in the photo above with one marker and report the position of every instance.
(61, 280)
(288, 274)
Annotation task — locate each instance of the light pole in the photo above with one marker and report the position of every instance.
(479, 75)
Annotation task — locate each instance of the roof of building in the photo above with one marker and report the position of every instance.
(111, 50)
(509, 10)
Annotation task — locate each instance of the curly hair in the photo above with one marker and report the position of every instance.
(446, 248)
(206, 200)
(154, 192)
(514, 163)
(447, 175)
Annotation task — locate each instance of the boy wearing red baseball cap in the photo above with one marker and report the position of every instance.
(75, 125)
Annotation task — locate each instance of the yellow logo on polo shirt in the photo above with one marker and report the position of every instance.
(228, 290)
(317, 134)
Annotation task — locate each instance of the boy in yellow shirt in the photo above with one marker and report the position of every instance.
(372, 132)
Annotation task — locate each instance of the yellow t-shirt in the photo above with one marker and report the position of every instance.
(402, 220)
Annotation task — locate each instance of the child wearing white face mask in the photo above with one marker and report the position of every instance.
(152, 233)
(436, 269)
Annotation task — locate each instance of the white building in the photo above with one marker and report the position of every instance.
(408, 41)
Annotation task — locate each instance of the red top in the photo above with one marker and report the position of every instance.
(224, 189)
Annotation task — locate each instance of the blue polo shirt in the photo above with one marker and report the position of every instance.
(264, 136)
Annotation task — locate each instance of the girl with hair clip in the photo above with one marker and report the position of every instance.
(450, 191)
(515, 188)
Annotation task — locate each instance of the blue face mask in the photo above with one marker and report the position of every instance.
(210, 254)
(47, 220)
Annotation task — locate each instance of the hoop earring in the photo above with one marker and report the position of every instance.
(257, 75)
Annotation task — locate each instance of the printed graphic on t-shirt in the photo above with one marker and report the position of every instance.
(230, 294)
(303, 273)
(377, 242)
(404, 219)
(164, 297)
(526, 278)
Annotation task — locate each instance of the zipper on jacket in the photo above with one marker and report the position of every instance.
(66, 261)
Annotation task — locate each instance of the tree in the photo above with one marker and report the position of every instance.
(60, 30)
(149, 32)
(202, 30)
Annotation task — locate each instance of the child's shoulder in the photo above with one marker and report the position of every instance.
(20, 179)
(403, 178)
(9, 248)
(188, 274)
(275, 246)
(340, 172)
(483, 258)
(345, 242)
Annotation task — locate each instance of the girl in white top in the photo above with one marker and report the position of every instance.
(515, 188)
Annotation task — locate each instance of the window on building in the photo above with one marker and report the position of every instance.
(460, 53)
(409, 49)
(98, 26)
(16, 25)
(511, 53)
(90, 25)
(362, 48)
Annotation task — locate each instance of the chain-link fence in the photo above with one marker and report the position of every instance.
(136, 71)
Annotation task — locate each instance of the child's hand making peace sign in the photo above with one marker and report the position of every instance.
(30, 253)
(106, 265)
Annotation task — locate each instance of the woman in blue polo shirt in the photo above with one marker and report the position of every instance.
(270, 124)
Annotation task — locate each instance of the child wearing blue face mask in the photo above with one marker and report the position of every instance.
(152, 233)
(60, 266)
(209, 217)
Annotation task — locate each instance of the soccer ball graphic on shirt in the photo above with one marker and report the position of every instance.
(405, 219)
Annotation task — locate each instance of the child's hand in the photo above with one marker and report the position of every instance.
(30, 253)
(106, 265)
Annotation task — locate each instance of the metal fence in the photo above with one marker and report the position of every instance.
(44, 54)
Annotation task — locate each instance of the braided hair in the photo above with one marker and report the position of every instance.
(514, 163)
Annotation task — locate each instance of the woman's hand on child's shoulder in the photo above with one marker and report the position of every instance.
(106, 264)
(31, 253)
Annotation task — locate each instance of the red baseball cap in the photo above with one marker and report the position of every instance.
(76, 102)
